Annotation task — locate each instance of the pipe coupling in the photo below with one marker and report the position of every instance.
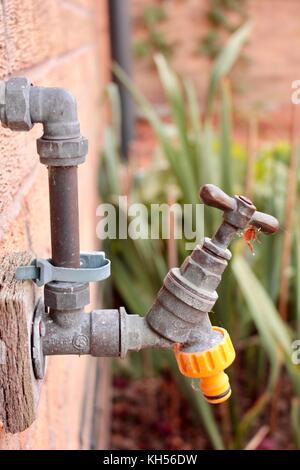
(14, 104)
(66, 296)
(62, 152)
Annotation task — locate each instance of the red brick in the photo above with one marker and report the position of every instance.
(272, 51)
(38, 30)
(60, 44)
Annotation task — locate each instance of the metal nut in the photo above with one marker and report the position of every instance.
(17, 109)
(199, 275)
(66, 296)
(62, 152)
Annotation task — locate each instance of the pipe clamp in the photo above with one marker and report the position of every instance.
(93, 267)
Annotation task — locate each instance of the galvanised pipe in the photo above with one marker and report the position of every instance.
(101, 333)
(64, 216)
(61, 148)
(56, 109)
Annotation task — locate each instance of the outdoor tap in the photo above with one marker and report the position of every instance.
(178, 318)
(180, 311)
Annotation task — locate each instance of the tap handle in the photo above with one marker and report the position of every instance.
(213, 196)
(265, 222)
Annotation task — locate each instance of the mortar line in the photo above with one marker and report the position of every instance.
(6, 35)
(41, 69)
(78, 9)
(13, 210)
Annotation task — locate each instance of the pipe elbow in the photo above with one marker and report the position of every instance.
(22, 105)
(56, 109)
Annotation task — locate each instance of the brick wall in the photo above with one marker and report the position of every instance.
(272, 52)
(55, 43)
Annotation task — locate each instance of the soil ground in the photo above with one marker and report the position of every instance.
(153, 414)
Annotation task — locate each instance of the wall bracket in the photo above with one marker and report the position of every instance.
(93, 267)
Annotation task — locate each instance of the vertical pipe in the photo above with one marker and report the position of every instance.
(64, 216)
(120, 38)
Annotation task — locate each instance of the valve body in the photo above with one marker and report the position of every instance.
(180, 311)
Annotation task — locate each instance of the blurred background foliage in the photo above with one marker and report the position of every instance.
(223, 17)
(155, 41)
(194, 148)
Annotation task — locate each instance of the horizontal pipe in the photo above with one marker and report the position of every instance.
(66, 333)
(136, 334)
(101, 333)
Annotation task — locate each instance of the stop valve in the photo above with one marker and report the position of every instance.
(180, 312)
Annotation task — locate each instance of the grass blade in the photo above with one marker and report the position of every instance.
(225, 61)
(225, 139)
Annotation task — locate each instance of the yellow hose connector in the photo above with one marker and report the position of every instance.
(209, 367)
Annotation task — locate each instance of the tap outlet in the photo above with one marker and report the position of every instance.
(208, 366)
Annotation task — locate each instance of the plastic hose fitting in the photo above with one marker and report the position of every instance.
(209, 367)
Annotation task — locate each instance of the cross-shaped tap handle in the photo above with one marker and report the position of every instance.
(213, 196)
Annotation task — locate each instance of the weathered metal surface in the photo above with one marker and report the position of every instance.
(105, 333)
(136, 334)
(56, 109)
(67, 333)
(62, 152)
(64, 216)
(101, 333)
(66, 296)
(22, 105)
(265, 222)
(15, 109)
(180, 312)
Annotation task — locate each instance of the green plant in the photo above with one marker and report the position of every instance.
(154, 14)
(190, 153)
(219, 17)
(155, 40)
(211, 44)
